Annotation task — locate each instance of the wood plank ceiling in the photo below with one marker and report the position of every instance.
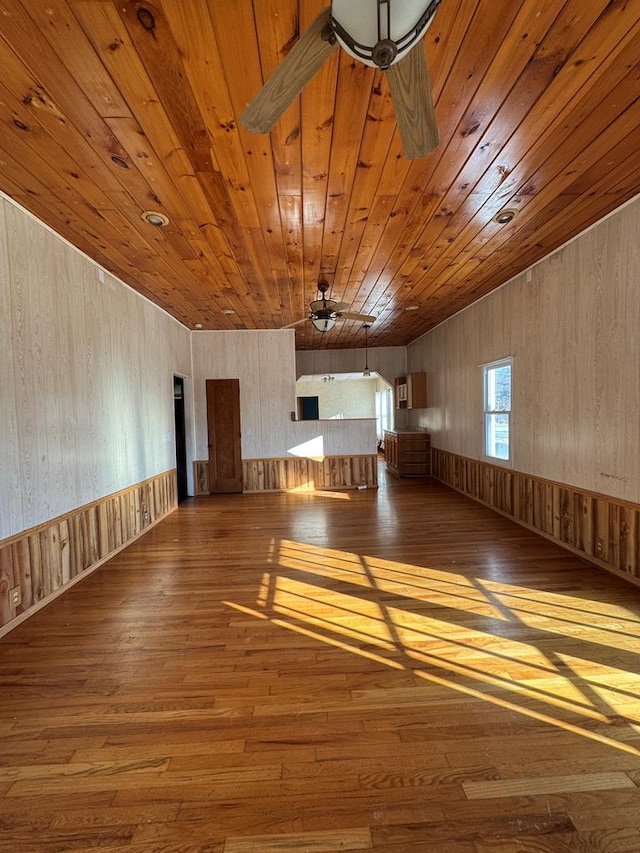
(111, 108)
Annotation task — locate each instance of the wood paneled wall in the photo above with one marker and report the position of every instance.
(572, 329)
(296, 473)
(264, 362)
(332, 437)
(86, 383)
(41, 561)
(604, 530)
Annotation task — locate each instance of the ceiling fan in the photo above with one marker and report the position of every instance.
(385, 34)
(324, 312)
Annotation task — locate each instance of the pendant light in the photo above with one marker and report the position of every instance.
(366, 371)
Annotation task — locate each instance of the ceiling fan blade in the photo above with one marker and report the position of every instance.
(363, 318)
(302, 62)
(297, 323)
(341, 306)
(413, 103)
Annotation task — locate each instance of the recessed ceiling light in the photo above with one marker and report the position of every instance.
(412, 308)
(228, 312)
(158, 220)
(197, 325)
(504, 216)
(119, 161)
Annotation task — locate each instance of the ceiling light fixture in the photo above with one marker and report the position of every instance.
(366, 371)
(383, 33)
(323, 324)
(152, 217)
(227, 312)
(380, 33)
(412, 308)
(197, 325)
(504, 216)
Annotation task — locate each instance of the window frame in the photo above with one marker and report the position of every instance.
(384, 411)
(488, 412)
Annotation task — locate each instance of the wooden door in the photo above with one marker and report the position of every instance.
(223, 422)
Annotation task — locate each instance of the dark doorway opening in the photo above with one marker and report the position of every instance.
(308, 409)
(181, 437)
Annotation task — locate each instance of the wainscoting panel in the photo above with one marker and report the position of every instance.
(39, 562)
(349, 472)
(281, 475)
(300, 474)
(604, 530)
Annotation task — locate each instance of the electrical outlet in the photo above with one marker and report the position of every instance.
(15, 596)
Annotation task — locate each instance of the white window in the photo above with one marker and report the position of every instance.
(497, 409)
(383, 411)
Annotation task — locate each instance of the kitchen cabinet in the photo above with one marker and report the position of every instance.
(408, 452)
(410, 391)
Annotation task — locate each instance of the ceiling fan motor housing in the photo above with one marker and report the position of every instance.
(323, 307)
(381, 32)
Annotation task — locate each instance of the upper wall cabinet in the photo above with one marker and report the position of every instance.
(411, 391)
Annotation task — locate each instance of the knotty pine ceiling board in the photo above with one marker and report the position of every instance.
(110, 108)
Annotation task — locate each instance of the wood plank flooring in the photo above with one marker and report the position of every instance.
(398, 671)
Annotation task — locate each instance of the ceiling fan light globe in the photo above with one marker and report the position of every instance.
(359, 19)
(323, 324)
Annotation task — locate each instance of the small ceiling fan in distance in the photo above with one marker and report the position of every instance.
(324, 312)
(386, 34)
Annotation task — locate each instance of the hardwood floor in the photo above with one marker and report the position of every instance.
(398, 671)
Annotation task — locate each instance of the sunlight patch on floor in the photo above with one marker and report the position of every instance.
(487, 639)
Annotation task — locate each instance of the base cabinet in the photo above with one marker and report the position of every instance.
(408, 452)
